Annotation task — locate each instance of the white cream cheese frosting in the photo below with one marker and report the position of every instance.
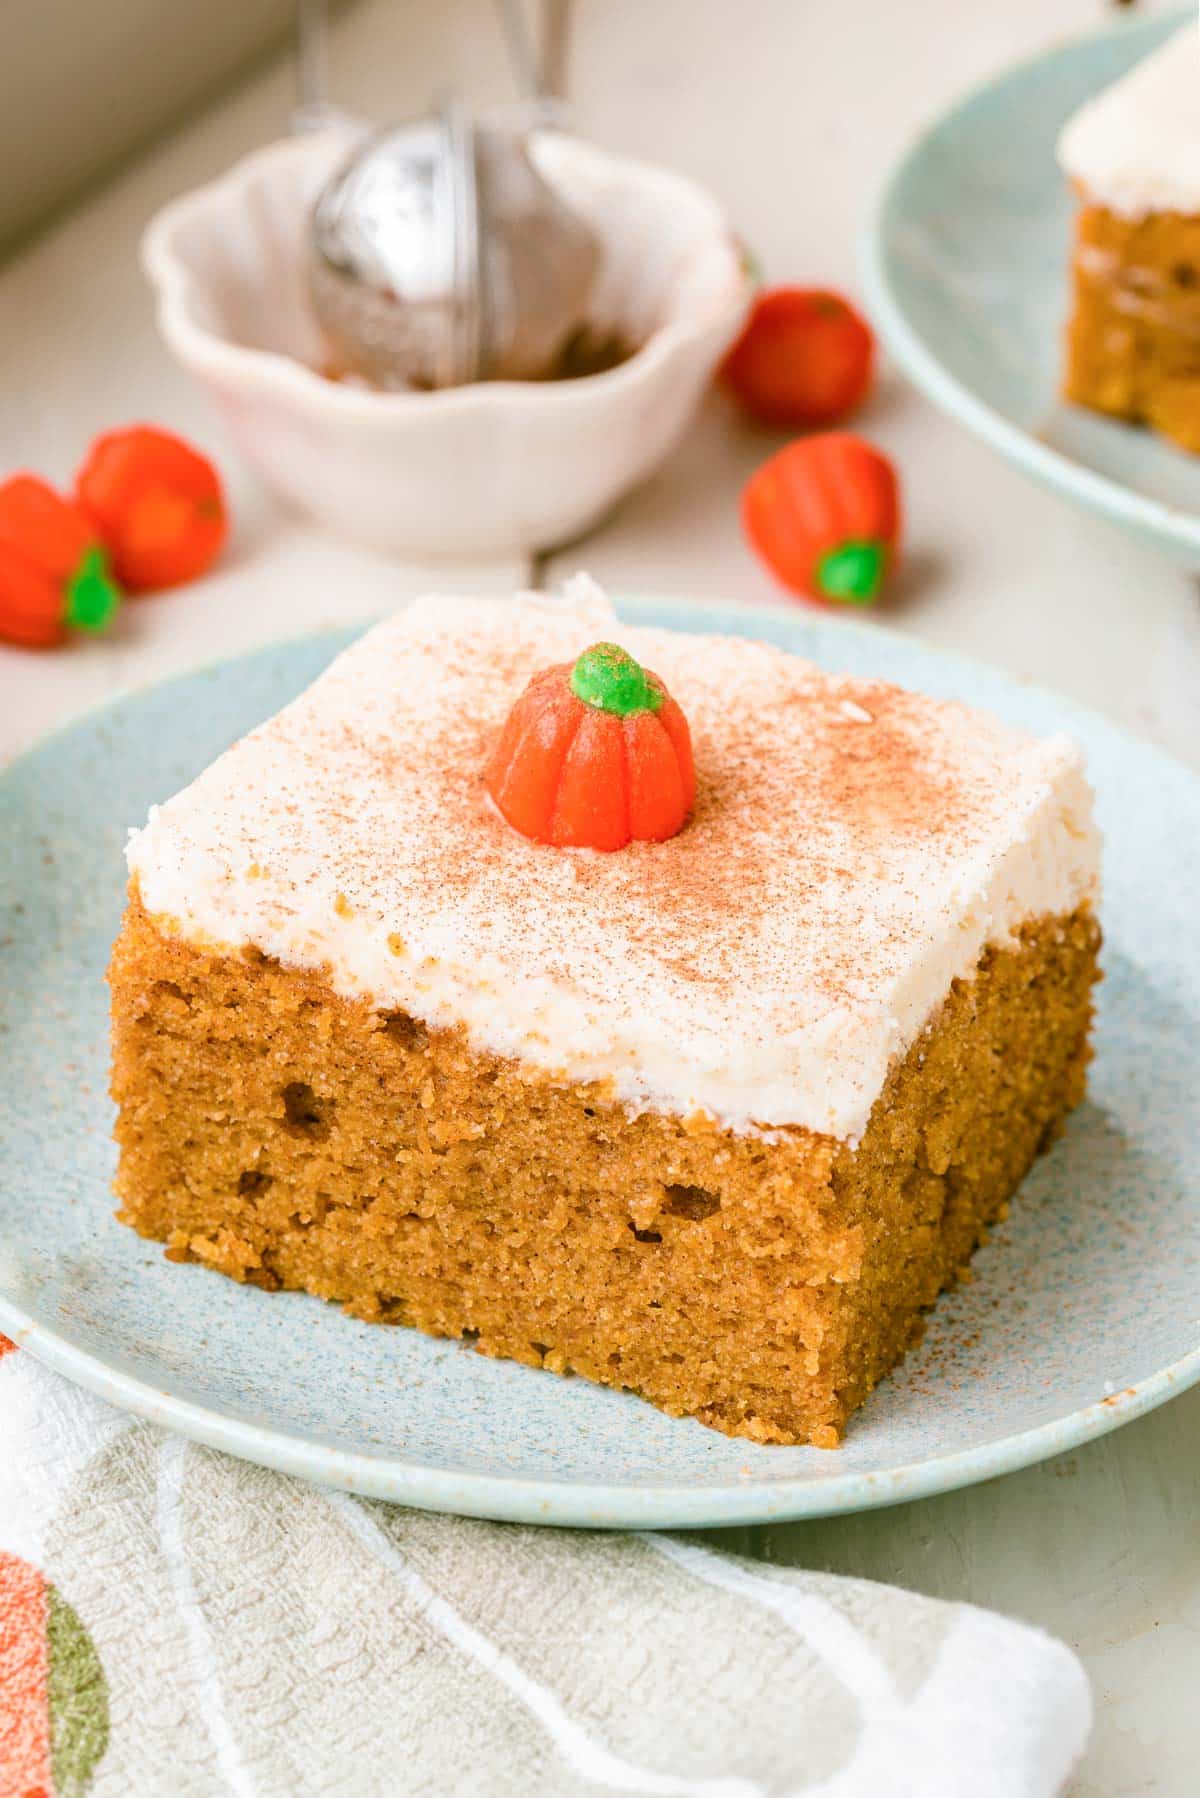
(1135, 147)
(852, 850)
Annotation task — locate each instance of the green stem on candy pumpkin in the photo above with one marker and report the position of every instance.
(92, 595)
(752, 268)
(853, 572)
(607, 677)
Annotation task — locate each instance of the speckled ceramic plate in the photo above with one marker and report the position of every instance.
(1085, 1312)
(965, 266)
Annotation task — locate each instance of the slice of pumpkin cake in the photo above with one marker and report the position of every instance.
(654, 1006)
(1132, 155)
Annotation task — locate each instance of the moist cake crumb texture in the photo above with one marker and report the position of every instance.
(291, 1138)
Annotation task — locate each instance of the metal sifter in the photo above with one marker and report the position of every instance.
(440, 255)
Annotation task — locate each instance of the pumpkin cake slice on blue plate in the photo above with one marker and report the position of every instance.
(654, 1006)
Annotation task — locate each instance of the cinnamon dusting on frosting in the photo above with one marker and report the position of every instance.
(848, 855)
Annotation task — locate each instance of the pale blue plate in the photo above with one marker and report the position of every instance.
(965, 267)
(1085, 1312)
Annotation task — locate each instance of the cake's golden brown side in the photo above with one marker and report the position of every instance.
(289, 1137)
(1133, 341)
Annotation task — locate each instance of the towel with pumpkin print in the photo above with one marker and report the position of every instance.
(176, 1622)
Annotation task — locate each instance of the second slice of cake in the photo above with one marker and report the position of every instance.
(713, 1118)
(1132, 155)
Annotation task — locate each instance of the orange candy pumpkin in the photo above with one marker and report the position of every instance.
(595, 754)
(157, 503)
(824, 515)
(805, 358)
(54, 574)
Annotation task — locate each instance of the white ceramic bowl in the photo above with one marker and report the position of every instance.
(495, 468)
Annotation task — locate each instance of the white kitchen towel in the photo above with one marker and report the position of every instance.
(176, 1622)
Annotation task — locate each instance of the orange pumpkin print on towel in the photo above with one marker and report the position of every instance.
(53, 1694)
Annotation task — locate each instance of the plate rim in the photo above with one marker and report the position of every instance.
(1100, 494)
(563, 1503)
(559, 1501)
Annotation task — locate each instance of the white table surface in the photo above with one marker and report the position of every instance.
(791, 112)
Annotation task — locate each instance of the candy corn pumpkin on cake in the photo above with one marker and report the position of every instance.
(656, 1007)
